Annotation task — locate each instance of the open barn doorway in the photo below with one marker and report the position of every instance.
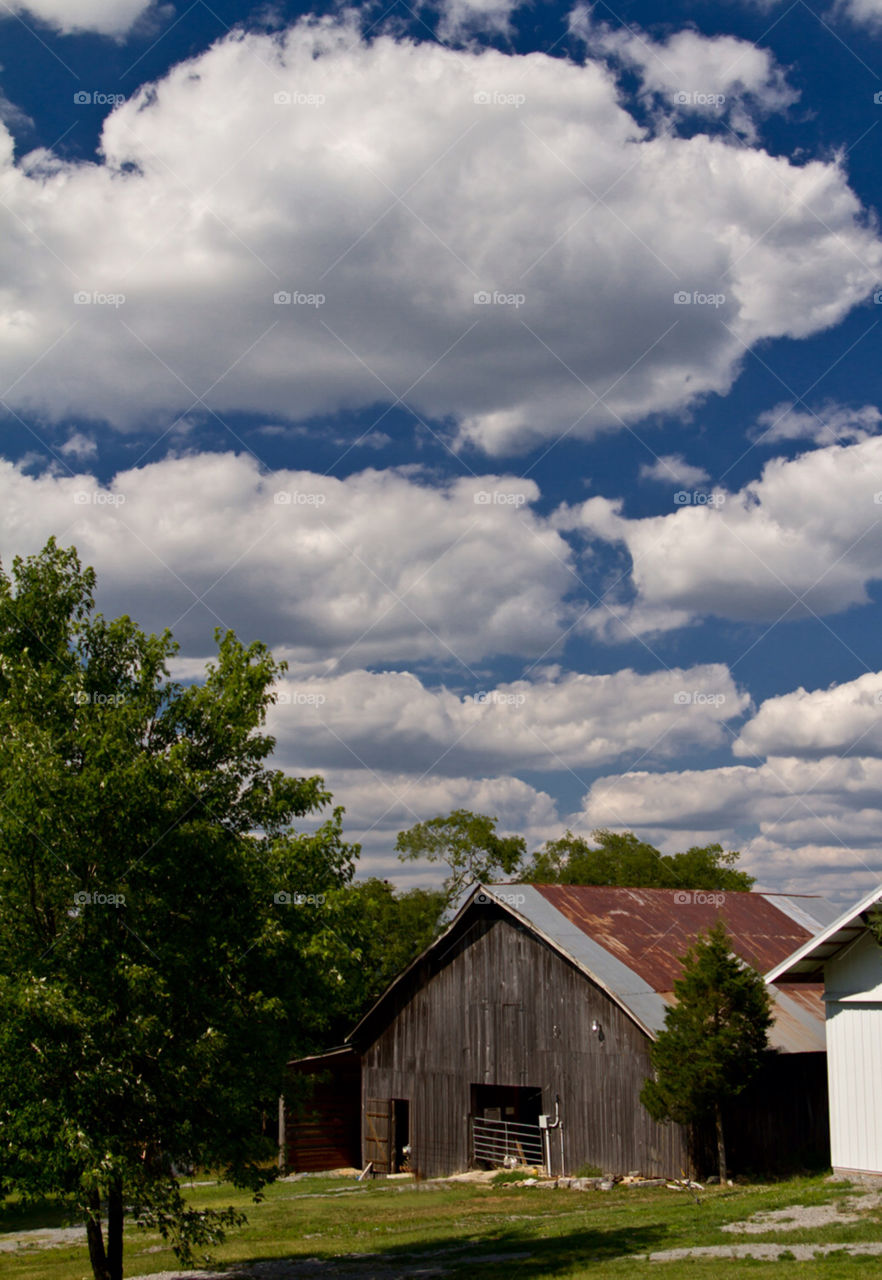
(505, 1126)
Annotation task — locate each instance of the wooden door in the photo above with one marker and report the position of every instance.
(378, 1134)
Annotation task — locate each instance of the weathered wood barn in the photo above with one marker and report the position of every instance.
(848, 959)
(524, 1031)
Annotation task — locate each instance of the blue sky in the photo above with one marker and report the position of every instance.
(511, 370)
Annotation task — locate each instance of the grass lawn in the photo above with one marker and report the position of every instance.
(490, 1232)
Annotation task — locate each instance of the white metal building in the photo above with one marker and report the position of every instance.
(849, 960)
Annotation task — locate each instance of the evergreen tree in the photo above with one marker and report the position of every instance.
(715, 1037)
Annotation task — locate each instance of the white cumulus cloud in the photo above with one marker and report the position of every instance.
(379, 188)
(805, 538)
(106, 17)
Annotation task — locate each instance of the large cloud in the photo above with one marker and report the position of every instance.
(806, 538)
(557, 722)
(845, 719)
(382, 567)
(106, 17)
(399, 180)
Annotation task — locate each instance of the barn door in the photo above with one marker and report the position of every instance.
(378, 1134)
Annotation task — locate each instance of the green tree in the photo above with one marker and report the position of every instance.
(162, 946)
(715, 1037)
(620, 858)
(379, 932)
(467, 843)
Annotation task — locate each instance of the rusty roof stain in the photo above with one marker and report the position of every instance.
(650, 930)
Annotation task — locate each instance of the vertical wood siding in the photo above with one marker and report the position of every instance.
(503, 1008)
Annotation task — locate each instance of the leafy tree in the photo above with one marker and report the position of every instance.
(379, 932)
(715, 1037)
(162, 946)
(620, 858)
(467, 843)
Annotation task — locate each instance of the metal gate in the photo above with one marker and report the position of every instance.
(505, 1143)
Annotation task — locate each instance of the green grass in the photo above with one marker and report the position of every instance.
(549, 1234)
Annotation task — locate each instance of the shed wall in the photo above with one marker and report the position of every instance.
(502, 1008)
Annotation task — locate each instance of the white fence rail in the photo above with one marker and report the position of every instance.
(504, 1143)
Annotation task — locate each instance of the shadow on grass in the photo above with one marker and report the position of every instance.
(15, 1216)
(509, 1253)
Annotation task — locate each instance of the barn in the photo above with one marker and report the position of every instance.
(847, 959)
(524, 1032)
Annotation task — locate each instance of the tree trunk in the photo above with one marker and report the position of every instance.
(97, 1256)
(721, 1145)
(115, 1230)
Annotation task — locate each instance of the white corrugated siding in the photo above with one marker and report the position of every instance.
(854, 1066)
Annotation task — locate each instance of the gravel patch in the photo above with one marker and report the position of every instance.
(765, 1252)
(797, 1216)
(42, 1238)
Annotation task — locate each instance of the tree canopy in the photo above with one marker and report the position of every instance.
(715, 1037)
(161, 948)
(468, 845)
(620, 858)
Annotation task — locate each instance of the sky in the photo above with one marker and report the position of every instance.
(511, 370)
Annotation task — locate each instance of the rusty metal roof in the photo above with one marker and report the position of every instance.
(651, 929)
(631, 943)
